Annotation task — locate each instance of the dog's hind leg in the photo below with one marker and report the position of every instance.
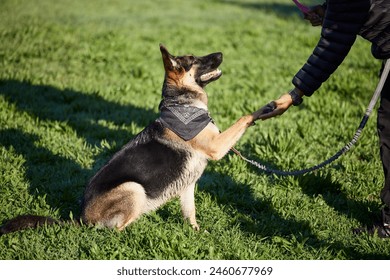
(118, 207)
(187, 202)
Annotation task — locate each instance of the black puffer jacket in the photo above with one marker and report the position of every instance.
(344, 20)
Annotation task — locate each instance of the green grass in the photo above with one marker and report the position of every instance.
(78, 79)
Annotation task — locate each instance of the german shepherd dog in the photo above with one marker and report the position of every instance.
(163, 161)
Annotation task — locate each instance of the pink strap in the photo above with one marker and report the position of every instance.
(302, 7)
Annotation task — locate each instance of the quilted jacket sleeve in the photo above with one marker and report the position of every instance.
(342, 23)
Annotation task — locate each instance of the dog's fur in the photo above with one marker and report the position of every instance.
(157, 164)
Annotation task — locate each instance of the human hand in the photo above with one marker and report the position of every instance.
(315, 15)
(279, 107)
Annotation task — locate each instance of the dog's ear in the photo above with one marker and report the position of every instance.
(168, 60)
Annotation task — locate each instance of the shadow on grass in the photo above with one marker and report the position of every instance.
(314, 185)
(284, 10)
(81, 111)
(260, 218)
(267, 221)
(61, 179)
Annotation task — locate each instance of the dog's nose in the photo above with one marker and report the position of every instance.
(216, 56)
(219, 55)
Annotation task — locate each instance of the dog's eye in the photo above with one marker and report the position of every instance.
(188, 61)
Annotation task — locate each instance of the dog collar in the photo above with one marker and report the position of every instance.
(186, 121)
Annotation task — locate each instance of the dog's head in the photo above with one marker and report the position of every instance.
(189, 73)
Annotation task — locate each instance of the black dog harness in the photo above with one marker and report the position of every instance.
(186, 121)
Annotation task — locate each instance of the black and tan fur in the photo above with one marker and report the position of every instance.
(157, 165)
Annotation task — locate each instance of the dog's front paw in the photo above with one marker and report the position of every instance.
(195, 227)
(264, 110)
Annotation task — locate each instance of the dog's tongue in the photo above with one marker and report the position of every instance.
(210, 75)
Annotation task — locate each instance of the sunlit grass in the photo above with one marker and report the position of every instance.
(78, 79)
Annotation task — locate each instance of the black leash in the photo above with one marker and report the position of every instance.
(343, 150)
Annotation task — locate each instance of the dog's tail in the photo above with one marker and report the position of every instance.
(29, 221)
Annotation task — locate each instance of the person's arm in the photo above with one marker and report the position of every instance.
(342, 22)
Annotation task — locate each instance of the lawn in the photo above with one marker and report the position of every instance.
(78, 79)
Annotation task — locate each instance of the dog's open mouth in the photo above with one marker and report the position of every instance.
(211, 76)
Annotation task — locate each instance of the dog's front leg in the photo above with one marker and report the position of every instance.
(187, 202)
(215, 144)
